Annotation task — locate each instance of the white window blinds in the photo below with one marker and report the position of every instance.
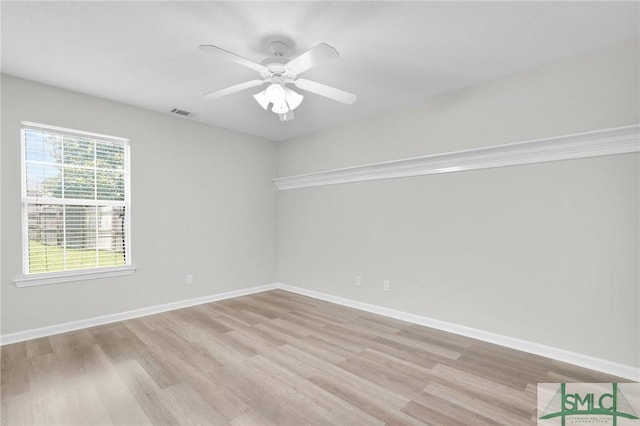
(75, 198)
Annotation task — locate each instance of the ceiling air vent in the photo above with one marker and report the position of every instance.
(181, 112)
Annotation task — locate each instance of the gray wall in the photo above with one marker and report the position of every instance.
(202, 203)
(545, 252)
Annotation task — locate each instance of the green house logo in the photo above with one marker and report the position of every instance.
(588, 405)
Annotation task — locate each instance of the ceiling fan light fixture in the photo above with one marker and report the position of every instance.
(275, 93)
(293, 99)
(287, 116)
(282, 99)
(261, 98)
(280, 107)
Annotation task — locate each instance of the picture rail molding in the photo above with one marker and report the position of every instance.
(619, 140)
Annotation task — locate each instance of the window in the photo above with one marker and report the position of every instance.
(75, 202)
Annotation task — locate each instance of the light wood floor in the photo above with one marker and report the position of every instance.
(272, 358)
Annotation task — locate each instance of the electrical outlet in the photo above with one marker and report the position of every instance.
(189, 278)
(386, 285)
(358, 280)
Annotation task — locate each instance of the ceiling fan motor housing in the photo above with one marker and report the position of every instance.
(278, 48)
(277, 72)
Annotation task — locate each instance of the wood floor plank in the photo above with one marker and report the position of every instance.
(421, 345)
(369, 404)
(146, 393)
(189, 407)
(363, 323)
(429, 416)
(159, 369)
(332, 346)
(326, 405)
(404, 352)
(266, 395)
(308, 346)
(569, 373)
(119, 402)
(212, 387)
(273, 358)
(14, 379)
(489, 413)
(83, 403)
(229, 321)
(504, 397)
(38, 347)
(453, 410)
(200, 318)
(251, 419)
(388, 378)
(17, 410)
(388, 361)
(429, 335)
(490, 371)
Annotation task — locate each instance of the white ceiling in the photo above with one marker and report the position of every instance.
(391, 53)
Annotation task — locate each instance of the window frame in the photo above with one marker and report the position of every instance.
(39, 278)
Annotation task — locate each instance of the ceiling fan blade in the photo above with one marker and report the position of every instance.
(326, 91)
(235, 88)
(236, 58)
(312, 58)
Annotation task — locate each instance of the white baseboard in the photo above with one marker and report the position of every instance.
(581, 360)
(121, 316)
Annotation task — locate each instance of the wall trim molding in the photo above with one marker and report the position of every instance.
(121, 316)
(73, 275)
(581, 360)
(619, 140)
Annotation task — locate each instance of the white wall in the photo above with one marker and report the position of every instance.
(202, 203)
(546, 253)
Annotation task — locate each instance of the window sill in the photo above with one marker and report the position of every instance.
(62, 277)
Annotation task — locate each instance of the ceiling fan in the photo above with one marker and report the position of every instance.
(279, 71)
